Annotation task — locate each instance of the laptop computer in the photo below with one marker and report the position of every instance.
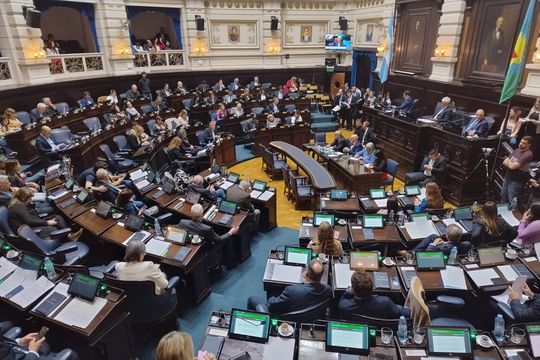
(339, 195)
(249, 326)
(367, 260)
(464, 216)
(347, 338)
(84, 286)
(297, 256)
(430, 260)
(103, 209)
(318, 218)
(491, 256)
(449, 341)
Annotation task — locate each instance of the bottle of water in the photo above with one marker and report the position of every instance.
(513, 204)
(402, 330)
(453, 256)
(475, 207)
(157, 227)
(498, 328)
(391, 217)
(49, 268)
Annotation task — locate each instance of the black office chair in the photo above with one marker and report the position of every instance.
(122, 164)
(145, 307)
(68, 253)
(307, 315)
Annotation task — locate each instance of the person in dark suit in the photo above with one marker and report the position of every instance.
(274, 105)
(164, 92)
(437, 243)
(255, 83)
(210, 133)
(478, 126)
(297, 297)
(360, 300)
(240, 194)
(347, 109)
(339, 142)
(219, 86)
(235, 85)
(443, 111)
(196, 226)
(158, 104)
(433, 169)
(407, 102)
(355, 145)
(180, 88)
(210, 192)
(496, 46)
(46, 147)
(365, 133)
(28, 348)
(133, 93)
(529, 311)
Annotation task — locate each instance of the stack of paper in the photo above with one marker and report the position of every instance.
(343, 275)
(255, 194)
(483, 277)
(157, 247)
(32, 292)
(266, 195)
(420, 229)
(80, 313)
(287, 273)
(6, 267)
(269, 270)
(20, 277)
(380, 202)
(453, 278)
(142, 184)
(136, 175)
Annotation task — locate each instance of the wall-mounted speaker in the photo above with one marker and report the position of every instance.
(274, 23)
(199, 21)
(32, 16)
(343, 23)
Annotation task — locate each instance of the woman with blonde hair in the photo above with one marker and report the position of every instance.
(136, 137)
(325, 243)
(183, 118)
(433, 199)
(12, 122)
(491, 228)
(178, 346)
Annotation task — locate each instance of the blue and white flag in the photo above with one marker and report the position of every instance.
(388, 51)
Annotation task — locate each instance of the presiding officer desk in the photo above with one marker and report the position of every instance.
(295, 135)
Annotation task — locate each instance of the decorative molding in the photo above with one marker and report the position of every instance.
(294, 29)
(234, 4)
(228, 34)
(296, 5)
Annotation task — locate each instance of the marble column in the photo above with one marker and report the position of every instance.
(532, 71)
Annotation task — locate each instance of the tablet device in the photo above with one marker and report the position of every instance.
(419, 216)
(502, 208)
(491, 256)
(193, 197)
(70, 182)
(82, 197)
(297, 256)
(213, 344)
(30, 263)
(347, 338)
(533, 332)
(430, 260)
(103, 209)
(146, 167)
(367, 260)
(259, 185)
(463, 213)
(233, 177)
(84, 286)
(134, 222)
(168, 187)
(372, 221)
(176, 235)
(339, 194)
(377, 193)
(412, 190)
(249, 326)
(228, 207)
(151, 176)
(449, 341)
(318, 218)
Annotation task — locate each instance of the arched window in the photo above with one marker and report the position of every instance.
(147, 22)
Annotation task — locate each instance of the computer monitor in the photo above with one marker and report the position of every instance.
(259, 185)
(193, 197)
(70, 182)
(84, 286)
(491, 256)
(318, 218)
(347, 338)
(377, 193)
(367, 260)
(30, 263)
(372, 221)
(233, 177)
(134, 222)
(103, 209)
(297, 256)
(176, 235)
(249, 326)
(449, 341)
(82, 197)
(412, 190)
(339, 194)
(533, 332)
(228, 207)
(419, 216)
(430, 260)
(463, 213)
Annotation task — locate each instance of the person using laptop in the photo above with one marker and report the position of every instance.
(529, 311)
(433, 199)
(178, 346)
(360, 300)
(491, 228)
(325, 242)
(195, 225)
(133, 268)
(210, 192)
(437, 243)
(529, 226)
(240, 194)
(297, 297)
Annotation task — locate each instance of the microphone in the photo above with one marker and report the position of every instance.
(487, 151)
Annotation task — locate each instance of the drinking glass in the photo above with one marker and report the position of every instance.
(386, 335)
(471, 255)
(409, 258)
(516, 335)
(418, 335)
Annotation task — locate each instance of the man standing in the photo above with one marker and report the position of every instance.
(144, 86)
(517, 166)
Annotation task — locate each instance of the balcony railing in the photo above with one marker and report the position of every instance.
(5, 74)
(76, 63)
(159, 58)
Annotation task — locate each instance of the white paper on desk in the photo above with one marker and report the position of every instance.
(279, 348)
(407, 268)
(453, 221)
(157, 247)
(503, 298)
(508, 217)
(226, 184)
(19, 277)
(255, 194)
(483, 277)
(472, 266)
(453, 278)
(60, 288)
(32, 292)
(145, 233)
(287, 273)
(508, 272)
(6, 267)
(530, 258)
(218, 332)
(343, 274)
(269, 269)
(415, 352)
(513, 352)
(420, 230)
(266, 195)
(41, 196)
(356, 227)
(137, 174)
(380, 202)
(141, 184)
(80, 313)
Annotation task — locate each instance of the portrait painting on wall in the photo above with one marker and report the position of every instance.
(496, 37)
(306, 33)
(234, 33)
(369, 32)
(415, 43)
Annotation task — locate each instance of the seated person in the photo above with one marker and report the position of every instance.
(112, 98)
(210, 192)
(131, 111)
(367, 154)
(46, 146)
(379, 164)
(7, 192)
(237, 110)
(50, 110)
(219, 86)
(491, 228)
(126, 200)
(4, 131)
(271, 121)
(165, 92)
(18, 178)
(246, 95)
(86, 100)
(529, 311)
(478, 126)
(273, 106)
(261, 95)
(433, 169)
(183, 118)
(229, 97)
(433, 199)
(235, 85)
(203, 87)
(133, 268)
(116, 114)
(407, 103)
(296, 118)
(105, 185)
(160, 126)
(178, 151)
(21, 212)
(179, 346)
(180, 88)
(13, 123)
(88, 178)
(325, 242)
(240, 194)
(195, 225)
(443, 112)
(221, 113)
(211, 99)
(255, 83)
(210, 133)
(365, 132)
(437, 243)
(354, 145)
(360, 300)
(529, 226)
(339, 142)
(29, 347)
(513, 126)
(133, 93)
(158, 104)
(279, 93)
(297, 297)
(136, 137)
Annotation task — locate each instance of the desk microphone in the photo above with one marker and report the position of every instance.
(311, 331)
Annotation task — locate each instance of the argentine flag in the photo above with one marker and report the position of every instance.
(388, 51)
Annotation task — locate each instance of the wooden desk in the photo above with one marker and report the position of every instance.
(350, 205)
(164, 200)
(225, 151)
(388, 235)
(73, 210)
(294, 135)
(94, 223)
